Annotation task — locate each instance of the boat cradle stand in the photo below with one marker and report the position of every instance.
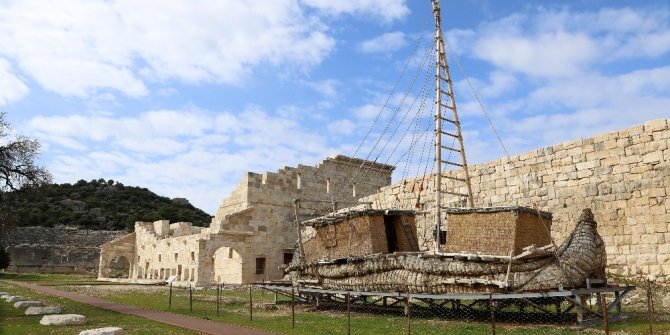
(560, 305)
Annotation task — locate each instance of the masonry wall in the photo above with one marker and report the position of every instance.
(335, 182)
(58, 249)
(624, 176)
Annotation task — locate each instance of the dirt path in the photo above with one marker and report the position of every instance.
(191, 323)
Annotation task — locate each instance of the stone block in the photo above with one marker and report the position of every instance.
(653, 157)
(103, 331)
(28, 303)
(63, 320)
(43, 310)
(14, 298)
(655, 125)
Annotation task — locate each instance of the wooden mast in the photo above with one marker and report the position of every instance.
(444, 99)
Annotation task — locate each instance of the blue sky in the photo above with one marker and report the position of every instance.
(182, 97)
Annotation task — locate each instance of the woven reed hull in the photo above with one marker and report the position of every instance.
(581, 256)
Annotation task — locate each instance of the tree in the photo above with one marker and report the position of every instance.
(18, 172)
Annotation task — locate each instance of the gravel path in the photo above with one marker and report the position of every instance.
(191, 323)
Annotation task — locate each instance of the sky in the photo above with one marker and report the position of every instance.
(184, 97)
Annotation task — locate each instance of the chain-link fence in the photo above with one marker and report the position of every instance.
(292, 310)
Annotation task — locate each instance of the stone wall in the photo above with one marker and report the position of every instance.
(59, 249)
(253, 232)
(624, 176)
(269, 197)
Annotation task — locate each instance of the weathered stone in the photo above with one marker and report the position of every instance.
(43, 310)
(28, 303)
(253, 227)
(666, 301)
(63, 320)
(14, 298)
(103, 331)
(57, 249)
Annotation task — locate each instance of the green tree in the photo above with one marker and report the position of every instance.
(18, 172)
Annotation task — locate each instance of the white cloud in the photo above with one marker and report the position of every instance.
(385, 10)
(384, 43)
(11, 87)
(548, 43)
(326, 87)
(553, 54)
(78, 47)
(342, 127)
(188, 153)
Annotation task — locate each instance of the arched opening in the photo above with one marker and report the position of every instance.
(119, 267)
(227, 266)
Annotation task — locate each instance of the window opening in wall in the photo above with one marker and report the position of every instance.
(299, 184)
(193, 256)
(159, 257)
(176, 256)
(327, 185)
(288, 256)
(353, 189)
(260, 265)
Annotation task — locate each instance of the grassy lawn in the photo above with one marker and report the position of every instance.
(277, 317)
(308, 320)
(13, 321)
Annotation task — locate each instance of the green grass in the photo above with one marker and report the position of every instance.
(13, 321)
(52, 279)
(308, 320)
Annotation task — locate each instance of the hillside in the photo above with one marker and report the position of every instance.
(100, 204)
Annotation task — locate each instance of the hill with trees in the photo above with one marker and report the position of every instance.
(100, 204)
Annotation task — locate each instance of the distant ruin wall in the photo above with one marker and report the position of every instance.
(624, 176)
(60, 249)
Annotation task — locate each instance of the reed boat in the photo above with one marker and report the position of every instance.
(491, 249)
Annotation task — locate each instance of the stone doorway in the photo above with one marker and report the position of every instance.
(227, 266)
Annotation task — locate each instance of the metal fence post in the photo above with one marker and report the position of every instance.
(293, 307)
(170, 298)
(190, 298)
(348, 313)
(408, 311)
(493, 314)
(251, 306)
(603, 303)
(218, 299)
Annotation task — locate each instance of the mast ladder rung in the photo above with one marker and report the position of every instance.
(448, 120)
(450, 149)
(453, 178)
(452, 163)
(450, 134)
(446, 106)
(446, 80)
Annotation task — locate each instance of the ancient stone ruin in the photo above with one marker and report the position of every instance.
(59, 249)
(253, 232)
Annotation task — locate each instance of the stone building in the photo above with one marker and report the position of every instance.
(253, 231)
